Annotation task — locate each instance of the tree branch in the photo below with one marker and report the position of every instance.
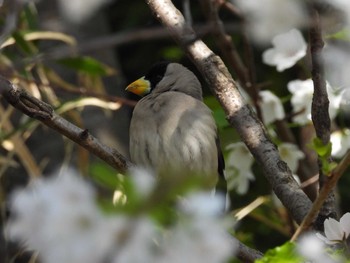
(111, 40)
(319, 110)
(211, 9)
(324, 193)
(43, 112)
(247, 254)
(238, 113)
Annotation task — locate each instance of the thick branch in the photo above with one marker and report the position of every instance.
(247, 254)
(238, 113)
(43, 112)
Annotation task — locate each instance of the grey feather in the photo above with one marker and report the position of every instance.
(171, 128)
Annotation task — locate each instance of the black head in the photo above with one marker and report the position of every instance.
(156, 73)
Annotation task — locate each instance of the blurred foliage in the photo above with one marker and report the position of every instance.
(288, 253)
(281, 254)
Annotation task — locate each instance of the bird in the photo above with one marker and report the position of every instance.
(171, 128)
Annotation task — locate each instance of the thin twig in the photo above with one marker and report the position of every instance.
(319, 109)
(326, 189)
(251, 86)
(112, 40)
(186, 6)
(43, 112)
(225, 42)
(14, 7)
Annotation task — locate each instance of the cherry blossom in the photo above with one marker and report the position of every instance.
(335, 231)
(287, 49)
(302, 92)
(271, 107)
(337, 65)
(312, 248)
(267, 18)
(60, 220)
(291, 154)
(238, 167)
(77, 11)
(340, 140)
(343, 6)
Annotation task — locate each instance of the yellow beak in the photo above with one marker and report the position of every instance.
(139, 87)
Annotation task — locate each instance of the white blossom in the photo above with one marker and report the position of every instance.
(291, 154)
(271, 107)
(344, 104)
(344, 7)
(79, 10)
(201, 236)
(238, 167)
(311, 248)
(335, 231)
(58, 218)
(200, 241)
(202, 204)
(340, 142)
(337, 66)
(267, 18)
(287, 49)
(302, 93)
(137, 242)
(143, 180)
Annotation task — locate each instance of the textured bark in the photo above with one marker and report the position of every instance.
(319, 112)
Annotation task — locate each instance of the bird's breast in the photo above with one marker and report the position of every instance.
(175, 132)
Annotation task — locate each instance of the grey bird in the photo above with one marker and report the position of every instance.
(171, 128)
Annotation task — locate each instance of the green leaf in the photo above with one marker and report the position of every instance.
(24, 45)
(324, 152)
(172, 53)
(220, 118)
(282, 254)
(327, 166)
(104, 175)
(31, 16)
(321, 149)
(87, 65)
(218, 113)
(340, 35)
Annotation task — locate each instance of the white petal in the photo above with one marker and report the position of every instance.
(239, 156)
(287, 49)
(333, 230)
(143, 180)
(291, 154)
(310, 246)
(271, 107)
(340, 142)
(267, 18)
(78, 10)
(326, 240)
(302, 92)
(203, 204)
(345, 224)
(269, 56)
